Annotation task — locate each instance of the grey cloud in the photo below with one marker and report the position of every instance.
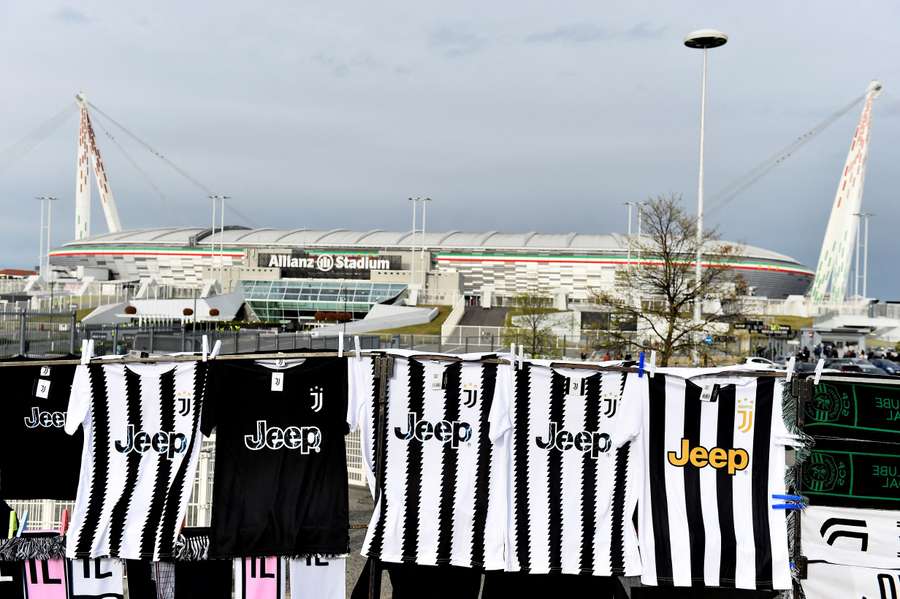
(455, 41)
(342, 67)
(578, 33)
(645, 31)
(587, 33)
(72, 16)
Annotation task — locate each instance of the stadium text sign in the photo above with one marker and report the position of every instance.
(327, 262)
(347, 266)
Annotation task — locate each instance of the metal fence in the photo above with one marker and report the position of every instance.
(37, 333)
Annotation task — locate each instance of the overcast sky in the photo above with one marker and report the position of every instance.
(515, 116)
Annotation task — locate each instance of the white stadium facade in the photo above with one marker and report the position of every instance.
(292, 274)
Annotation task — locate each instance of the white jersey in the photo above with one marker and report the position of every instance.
(713, 464)
(443, 496)
(140, 454)
(830, 581)
(96, 579)
(318, 578)
(575, 470)
(851, 536)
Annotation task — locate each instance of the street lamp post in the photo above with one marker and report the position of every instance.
(702, 39)
(44, 253)
(864, 216)
(422, 259)
(221, 199)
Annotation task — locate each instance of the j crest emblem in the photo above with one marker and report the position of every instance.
(184, 403)
(317, 395)
(745, 414)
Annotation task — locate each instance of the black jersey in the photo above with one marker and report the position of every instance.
(38, 460)
(280, 485)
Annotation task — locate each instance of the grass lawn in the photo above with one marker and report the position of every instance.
(429, 328)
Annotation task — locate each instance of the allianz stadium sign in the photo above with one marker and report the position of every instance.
(301, 265)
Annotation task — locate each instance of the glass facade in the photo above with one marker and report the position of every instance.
(293, 299)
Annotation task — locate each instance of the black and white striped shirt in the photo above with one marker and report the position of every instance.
(140, 455)
(575, 467)
(713, 464)
(443, 500)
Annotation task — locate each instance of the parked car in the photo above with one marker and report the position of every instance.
(762, 363)
(854, 365)
(888, 366)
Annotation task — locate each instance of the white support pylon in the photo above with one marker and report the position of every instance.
(833, 270)
(87, 149)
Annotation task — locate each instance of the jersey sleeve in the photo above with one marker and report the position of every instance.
(360, 390)
(630, 416)
(79, 399)
(500, 417)
(209, 416)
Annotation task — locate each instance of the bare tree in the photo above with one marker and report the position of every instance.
(531, 314)
(659, 289)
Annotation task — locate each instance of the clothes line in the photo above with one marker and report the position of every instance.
(155, 359)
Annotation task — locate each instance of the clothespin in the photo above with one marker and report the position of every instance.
(819, 366)
(22, 524)
(217, 347)
(64, 522)
(794, 502)
(356, 347)
(512, 350)
(340, 344)
(641, 365)
(521, 356)
(792, 362)
(13, 525)
(651, 368)
(87, 351)
(205, 347)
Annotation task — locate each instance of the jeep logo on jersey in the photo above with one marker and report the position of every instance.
(455, 432)
(163, 442)
(305, 438)
(45, 419)
(733, 460)
(585, 441)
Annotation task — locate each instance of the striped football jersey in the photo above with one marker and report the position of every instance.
(443, 496)
(139, 459)
(575, 467)
(713, 464)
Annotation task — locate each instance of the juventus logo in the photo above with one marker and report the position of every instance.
(574, 387)
(317, 395)
(185, 408)
(612, 404)
(471, 397)
(745, 409)
(849, 533)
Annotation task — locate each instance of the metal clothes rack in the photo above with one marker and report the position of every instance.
(384, 369)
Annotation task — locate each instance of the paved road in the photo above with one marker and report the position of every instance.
(360, 512)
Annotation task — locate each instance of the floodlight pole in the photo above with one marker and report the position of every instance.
(703, 39)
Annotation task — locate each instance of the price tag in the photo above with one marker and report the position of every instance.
(277, 381)
(45, 371)
(709, 393)
(43, 389)
(437, 381)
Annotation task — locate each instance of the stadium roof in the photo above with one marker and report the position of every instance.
(380, 239)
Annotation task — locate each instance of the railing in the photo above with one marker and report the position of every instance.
(456, 314)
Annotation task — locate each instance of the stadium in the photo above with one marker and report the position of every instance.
(291, 274)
